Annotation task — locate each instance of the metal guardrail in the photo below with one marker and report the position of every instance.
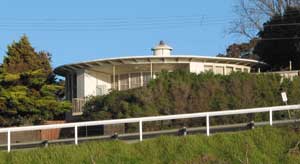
(140, 120)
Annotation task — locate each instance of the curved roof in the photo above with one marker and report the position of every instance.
(68, 68)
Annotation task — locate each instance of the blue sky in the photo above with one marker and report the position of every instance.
(78, 30)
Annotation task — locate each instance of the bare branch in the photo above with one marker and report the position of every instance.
(251, 14)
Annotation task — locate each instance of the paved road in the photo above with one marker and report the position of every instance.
(134, 137)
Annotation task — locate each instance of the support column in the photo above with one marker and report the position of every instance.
(129, 81)
(67, 87)
(71, 86)
(214, 68)
(114, 77)
(119, 82)
(151, 70)
(141, 78)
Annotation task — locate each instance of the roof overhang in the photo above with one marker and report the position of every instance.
(74, 67)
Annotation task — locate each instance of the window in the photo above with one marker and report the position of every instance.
(229, 70)
(219, 70)
(135, 80)
(101, 90)
(238, 69)
(146, 78)
(124, 82)
(208, 68)
(246, 70)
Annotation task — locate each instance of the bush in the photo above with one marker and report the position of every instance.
(184, 92)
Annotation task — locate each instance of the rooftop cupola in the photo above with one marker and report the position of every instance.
(162, 49)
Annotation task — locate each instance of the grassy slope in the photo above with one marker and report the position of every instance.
(262, 145)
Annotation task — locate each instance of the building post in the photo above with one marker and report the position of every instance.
(129, 81)
(151, 70)
(114, 77)
(141, 78)
(119, 83)
(72, 86)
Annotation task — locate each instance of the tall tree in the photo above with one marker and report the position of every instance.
(251, 14)
(280, 40)
(22, 57)
(27, 93)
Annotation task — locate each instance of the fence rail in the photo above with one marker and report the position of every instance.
(140, 120)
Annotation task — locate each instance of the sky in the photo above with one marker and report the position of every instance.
(77, 30)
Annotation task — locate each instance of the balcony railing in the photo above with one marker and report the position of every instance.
(77, 106)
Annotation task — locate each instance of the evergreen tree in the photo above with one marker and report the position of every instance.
(280, 42)
(21, 57)
(29, 93)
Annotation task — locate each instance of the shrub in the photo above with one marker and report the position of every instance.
(184, 92)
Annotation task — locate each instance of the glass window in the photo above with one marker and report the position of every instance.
(101, 90)
(219, 70)
(238, 69)
(208, 68)
(124, 82)
(246, 70)
(146, 78)
(229, 70)
(135, 80)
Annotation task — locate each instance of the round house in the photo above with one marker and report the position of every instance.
(98, 77)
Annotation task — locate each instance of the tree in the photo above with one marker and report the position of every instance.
(28, 92)
(243, 50)
(21, 57)
(280, 42)
(251, 14)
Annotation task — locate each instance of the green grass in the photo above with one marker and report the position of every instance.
(262, 145)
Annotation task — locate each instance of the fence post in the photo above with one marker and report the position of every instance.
(271, 117)
(141, 130)
(76, 134)
(8, 140)
(207, 124)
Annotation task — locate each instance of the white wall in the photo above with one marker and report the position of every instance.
(87, 82)
(92, 80)
(196, 67)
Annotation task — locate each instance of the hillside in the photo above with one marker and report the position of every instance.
(262, 145)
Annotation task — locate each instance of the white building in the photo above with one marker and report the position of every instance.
(98, 77)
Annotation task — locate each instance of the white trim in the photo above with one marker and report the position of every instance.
(176, 58)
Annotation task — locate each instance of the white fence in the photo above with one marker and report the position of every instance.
(140, 120)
